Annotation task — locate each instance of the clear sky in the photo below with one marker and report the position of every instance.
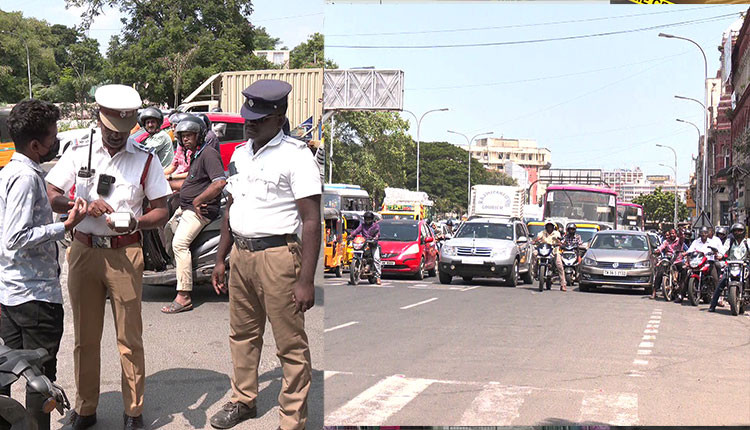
(616, 102)
(290, 20)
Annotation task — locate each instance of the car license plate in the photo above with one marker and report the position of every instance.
(389, 263)
(615, 273)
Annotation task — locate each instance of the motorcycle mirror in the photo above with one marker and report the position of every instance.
(429, 240)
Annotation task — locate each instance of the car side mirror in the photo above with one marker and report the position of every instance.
(429, 240)
(523, 239)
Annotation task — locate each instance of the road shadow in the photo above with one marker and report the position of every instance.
(561, 422)
(196, 394)
(202, 293)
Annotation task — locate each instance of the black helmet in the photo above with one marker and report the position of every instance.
(369, 215)
(449, 222)
(722, 231)
(192, 124)
(570, 226)
(206, 121)
(175, 118)
(150, 112)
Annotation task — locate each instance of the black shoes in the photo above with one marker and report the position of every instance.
(712, 309)
(80, 422)
(232, 414)
(133, 423)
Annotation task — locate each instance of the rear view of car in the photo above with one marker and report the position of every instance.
(407, 247)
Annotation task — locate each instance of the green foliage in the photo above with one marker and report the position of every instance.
(375, 151)
(659, 206)
(310, 55)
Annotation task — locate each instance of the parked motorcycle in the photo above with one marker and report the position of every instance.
(736, 291)
(545, 265)
(26, 363)
(700, 284)
(363, 264)
(570, 263)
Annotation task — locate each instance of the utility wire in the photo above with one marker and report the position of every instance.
(455, 30)
(551, 39)
(544, 78)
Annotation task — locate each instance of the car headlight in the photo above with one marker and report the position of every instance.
(642, 264)
(588, 261)
(449, 251)
(501, 252)
(412, 249)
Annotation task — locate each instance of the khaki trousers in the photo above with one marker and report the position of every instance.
(260, 286)
(93, 273)
(181, 230)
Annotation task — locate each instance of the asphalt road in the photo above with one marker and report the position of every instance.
(418, 352)
(188, 364)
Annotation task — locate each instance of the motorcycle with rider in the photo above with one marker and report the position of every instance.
(366, 257)
(736, 272)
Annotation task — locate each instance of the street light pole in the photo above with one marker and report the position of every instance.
(28, 62)
(419, 124)
(675, 179)
(468, 142)
(703, 202)
(705, 117)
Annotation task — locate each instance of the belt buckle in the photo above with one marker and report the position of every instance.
(101, 242)
(241, 243)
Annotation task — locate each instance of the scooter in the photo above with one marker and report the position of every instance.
(159, 267)
(737, 293)
(26, 363)
(545, 265)
(569, 258)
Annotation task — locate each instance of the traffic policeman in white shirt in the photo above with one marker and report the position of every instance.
(275, 191)
(106, 255)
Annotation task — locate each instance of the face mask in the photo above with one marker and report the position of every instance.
(51, 153)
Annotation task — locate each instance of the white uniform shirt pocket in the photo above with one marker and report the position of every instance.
(124, 196)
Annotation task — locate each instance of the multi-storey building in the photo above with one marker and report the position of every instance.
(494, 154)
(617, 178)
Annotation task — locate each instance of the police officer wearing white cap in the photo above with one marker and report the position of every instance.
(114, 175)
(275, 191)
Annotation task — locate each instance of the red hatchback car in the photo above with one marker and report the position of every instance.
(408, 246)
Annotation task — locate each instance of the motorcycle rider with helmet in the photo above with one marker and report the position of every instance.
(211, 139)
(710, 247)
(371, 231)
(737, 247)
(551, 236)
(158, 140)
(672, 245)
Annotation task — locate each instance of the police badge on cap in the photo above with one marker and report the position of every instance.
(265, 97)
(118, 106)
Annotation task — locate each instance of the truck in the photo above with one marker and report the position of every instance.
(224, 91)
(497, 200)
(400, 203)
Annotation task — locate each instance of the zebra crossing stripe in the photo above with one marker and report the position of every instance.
(496, 404)
(613, 409)
(375, 405)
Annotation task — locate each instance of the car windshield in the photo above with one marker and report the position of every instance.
(486, 230)
(535, 229)
(586, 234)
(401, 232)
(626, 242)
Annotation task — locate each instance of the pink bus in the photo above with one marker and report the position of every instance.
(581, 204)
(631, 216)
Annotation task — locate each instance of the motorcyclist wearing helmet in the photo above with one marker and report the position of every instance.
(199, 205)
(151, 119)
(672, 245)
(738, 248)
(710, 247)
(177, 171)
(551, 236)
(371, 231)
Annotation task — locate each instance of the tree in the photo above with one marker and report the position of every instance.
(374, 150)
(154, 50)
(310, 54)
(659, 206)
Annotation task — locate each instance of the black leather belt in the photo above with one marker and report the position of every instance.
(261, 243)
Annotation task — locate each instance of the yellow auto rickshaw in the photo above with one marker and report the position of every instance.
(335, 243)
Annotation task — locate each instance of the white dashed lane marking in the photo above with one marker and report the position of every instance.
(350, 323)
(419, 303)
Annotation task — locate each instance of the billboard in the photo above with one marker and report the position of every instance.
(657, 178)
(363, 89)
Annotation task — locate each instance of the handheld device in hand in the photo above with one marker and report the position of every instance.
(121, 219)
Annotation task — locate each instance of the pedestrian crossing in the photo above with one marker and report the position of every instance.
(393, 400)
